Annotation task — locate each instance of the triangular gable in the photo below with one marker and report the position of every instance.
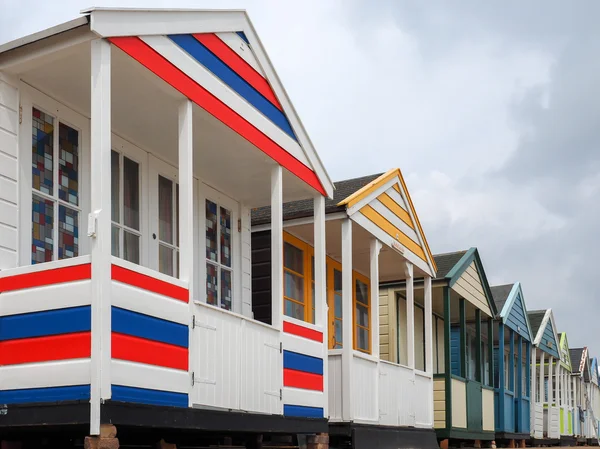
(584, 364)
(546, 338)
(384, 207)
(565, 356)
(594, 370)
(469, 280)
(514, 313)
(216, 59)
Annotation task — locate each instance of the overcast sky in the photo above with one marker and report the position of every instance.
(491, 110)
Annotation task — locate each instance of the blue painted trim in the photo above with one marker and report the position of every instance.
(149, 327)
(228, 76)
(243, 36)
(301, 362)
(302, 411)
(48, 322)
(517, 292)
(149, 397)
(50, 394)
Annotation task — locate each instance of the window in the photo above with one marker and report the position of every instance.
(362, 323)
(219, 256)
(298, 279)
(334, 299)
(168, 226)
(55, 189)
(125, 208)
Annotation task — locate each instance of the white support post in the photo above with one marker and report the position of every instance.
(542, 373)
(276, 246)
(533, 391)
(429, 325)
(410, 315)
(99, 230)
(550, 377)
(347, 320)
(321, 318)
(374, 274)
(557, 382)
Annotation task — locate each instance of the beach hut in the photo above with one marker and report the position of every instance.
(585, 383)
(545, 413)
(373, 236)
(133, 145)
(512, 355)
(566, 393)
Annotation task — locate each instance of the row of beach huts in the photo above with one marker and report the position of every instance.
(178, 269)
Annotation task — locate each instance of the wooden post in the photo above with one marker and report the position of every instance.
(519, 389)
(428, 325)
(276, 246)
(542, 374)
(557, 386)
(511, 361)
(463, 337)
(447, 359)
(533, 392)
(550, 386)
(501, 381)
(321, 318)
(478, 372)
(410, 315)
(491, 351)
(375, 247)
(347, 320)
(100, 228)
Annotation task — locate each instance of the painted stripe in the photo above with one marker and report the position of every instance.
(44, 349)
(144, 326)
(179, 58)
(302, 331)
(54, 394)
(307, 398)
(149, 283)
(299, 379)
(396, 188)
(392, 231)
(395, 220)
(243, 36)
(146, 56)
(303, 346)
(122, 393)
(135, 349)
(301, 411)
(48, 277)
(45, 374)
(50, 297)
(392, 205)
(396, 196)
(301, 362)
(52, 322)
(141, 301)
(131, 374)
(238, 84)
(233, 41)
(236, 63)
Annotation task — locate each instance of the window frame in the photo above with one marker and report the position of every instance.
(332, 265)
(308, 254)
(356, 276)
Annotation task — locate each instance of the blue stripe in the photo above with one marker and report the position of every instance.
(52, 394)
(49, 322)
(205, 57)
(243, 36)
(302, 411)
(144, 326)
(149, 397)
(301, 362)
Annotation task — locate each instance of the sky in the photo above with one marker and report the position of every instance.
(490, 109)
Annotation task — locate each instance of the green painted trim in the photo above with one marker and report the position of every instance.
(478, 341)
(491, 350)
(447, 356)
(486, 387)
(460, 267)
(463, 336)
(464, 434)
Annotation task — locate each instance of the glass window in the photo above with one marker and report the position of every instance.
(338, 339)
(168, 226)
(219, 272)
(55, 186)
(361, 315)
(294, 280)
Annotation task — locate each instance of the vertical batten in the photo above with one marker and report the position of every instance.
(100, 231)
(501, 381)
(374, 292)
(321, 289)
(410, 315)
(541, 380)
(557, 387)
(276, 246)
(347, 322)
(550, 386)
(428, 325)
(533, 391)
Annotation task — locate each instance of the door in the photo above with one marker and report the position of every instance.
(474, 406)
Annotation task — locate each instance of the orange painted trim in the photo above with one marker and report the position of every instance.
(388, 202)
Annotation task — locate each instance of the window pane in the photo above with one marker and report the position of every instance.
(294, 310)
(115, 241)
(131, 194)
(211, 284)
(293, 258)
(131, 248)
(165, 260)
(68, 232)
(225, 216)
(294, 286)
(115, 187)
(211, 231)
(225, 289)
(165, 211)
(363, 339)
(362, 315)
(337, 281)
(42, 230)
(339, 337)
(42, 159)
(362, 292)
(337, 305)
(68, 164)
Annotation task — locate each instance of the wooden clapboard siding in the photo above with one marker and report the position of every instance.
(470, 287)
(517, 318)
(439, 403)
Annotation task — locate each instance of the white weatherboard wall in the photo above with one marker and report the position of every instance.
(9, 126)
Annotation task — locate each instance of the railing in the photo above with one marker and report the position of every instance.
(364, 387)
(538, 420)
(334, 363)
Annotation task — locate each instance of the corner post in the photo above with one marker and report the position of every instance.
(321, 318)
(519, 389)
(374, 299)
(541, 383)
(511, 361)
(347, 321)
(557, 400)
(427, 294)
(276, 246)
(100, 231)
(478, 370)
(491, 351)
(533, 392)
(527, 391)
(447, 358)
(410, 315)
(501, 381)
(463, 337)
(550, 386)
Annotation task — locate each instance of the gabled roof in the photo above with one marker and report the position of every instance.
(511, 307)
(581, 362)
(576, 355)
(500, 294)
(565, 356)
(539, 320)
(535, 319)
(455, 265)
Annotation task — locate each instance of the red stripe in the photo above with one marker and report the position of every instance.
(43, 349)
(46, 277)
(236, 63)
(135, 349)
(301, 331)
(150, 59)
(149, 283)
(300, 379)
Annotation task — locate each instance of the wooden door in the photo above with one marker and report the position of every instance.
(474, 406)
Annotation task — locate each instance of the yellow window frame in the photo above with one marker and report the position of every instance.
(331, 266)
(365, 280)
(308, 252)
